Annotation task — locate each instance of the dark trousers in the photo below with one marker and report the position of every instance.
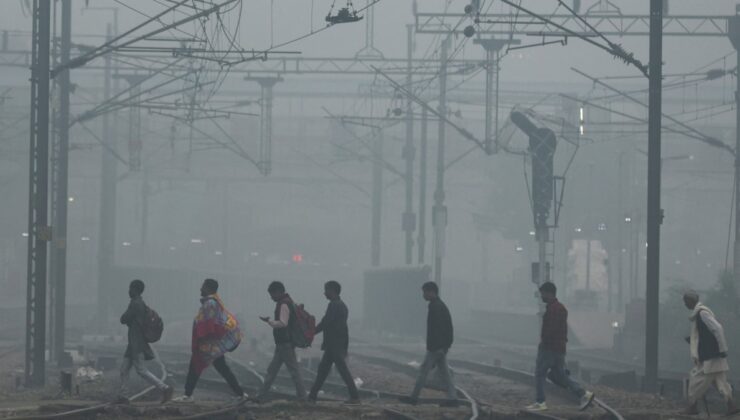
(337, 358)
(222, 368)
(284, 353)
(438, 359)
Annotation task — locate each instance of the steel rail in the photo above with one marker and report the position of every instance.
(512, 374)
(97, 407)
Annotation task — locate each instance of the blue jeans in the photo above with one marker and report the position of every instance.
(552, 365)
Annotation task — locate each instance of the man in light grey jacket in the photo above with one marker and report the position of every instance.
(709, 354)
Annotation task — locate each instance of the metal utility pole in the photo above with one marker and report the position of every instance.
(266, 84)
(39, 232)
(135, 144)
(655, 213)
(734, 33)
(620, 232)
(146, 191)
(369, 50)
(543, 233)
(588, 262)
(107, 230)
(492, 47)
(409, 218)
(377, 198)
(134, 127)
(60, 177)
(421, 238)
(636, 247)
(439, 212)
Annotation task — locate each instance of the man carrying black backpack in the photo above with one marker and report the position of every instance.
(282, 325)
(138, 349)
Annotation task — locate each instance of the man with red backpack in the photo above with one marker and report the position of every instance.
(215, 333)
(138, 349)
(284, 332)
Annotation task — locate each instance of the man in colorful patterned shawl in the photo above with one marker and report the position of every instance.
(215, 333)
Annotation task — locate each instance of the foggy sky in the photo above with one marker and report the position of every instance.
(291, 18)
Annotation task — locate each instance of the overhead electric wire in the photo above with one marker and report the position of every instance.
(314, 32)
(112, 45)
(698, 135)
(730, 224)
(614, 49)
(151, 18)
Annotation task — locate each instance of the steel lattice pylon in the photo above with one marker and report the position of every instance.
(39, 232)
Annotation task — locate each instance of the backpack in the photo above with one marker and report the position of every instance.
(153, 326)
(304, 328)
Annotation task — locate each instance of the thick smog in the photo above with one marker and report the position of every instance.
(386, 209)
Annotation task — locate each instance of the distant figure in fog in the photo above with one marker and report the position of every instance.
(439, 341)
(215, 333)
(336, 343)
(551, 351)
(138, 349)
(281, 326)
(709, 354)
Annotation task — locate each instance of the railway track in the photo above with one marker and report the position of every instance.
(100, 408)
(498, 371)
(593, 362)
(95, 408)
(252, 380)
(376, 398)
(378, 395)
(603, 370)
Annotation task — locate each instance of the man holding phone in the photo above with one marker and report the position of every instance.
(284, 348)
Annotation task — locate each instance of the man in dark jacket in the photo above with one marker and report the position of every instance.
(439, 341)
(138, 349)
(336, 343)
(551, 351)
(281, 326)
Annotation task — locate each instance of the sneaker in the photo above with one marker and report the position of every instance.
(184, 399)
(586, 400)
(538, 406)
(240, 398)
(352, 401)
(167, 394)
(409, 400)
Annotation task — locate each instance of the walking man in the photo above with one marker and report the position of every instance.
(551, 352)
(138, 349)
(336, 343)
(709, 354)
(439, 341)
(282, 325)
(215, 333)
